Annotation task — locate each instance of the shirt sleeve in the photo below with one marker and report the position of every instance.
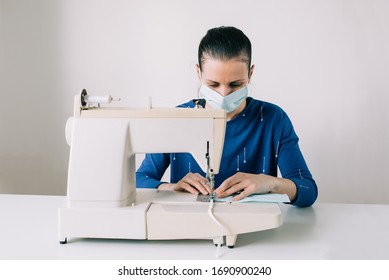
(151, 170)
(293, 166)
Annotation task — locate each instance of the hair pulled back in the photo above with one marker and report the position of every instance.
(225, 43)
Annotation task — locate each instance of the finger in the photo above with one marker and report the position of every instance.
(196, 182)
(187, 187)
(204, 182)
(227, 184)
(199, 177)
(224, 186)
(233, 189)
(248, 189)
(240, 196)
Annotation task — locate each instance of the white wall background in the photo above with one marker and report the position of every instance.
(326, 62)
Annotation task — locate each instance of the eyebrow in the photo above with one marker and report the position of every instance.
(236, 81)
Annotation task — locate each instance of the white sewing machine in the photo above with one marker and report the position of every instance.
(102, 200)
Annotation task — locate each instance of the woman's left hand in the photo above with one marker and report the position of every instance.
(246, 184)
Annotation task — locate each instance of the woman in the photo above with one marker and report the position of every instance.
(259, 135)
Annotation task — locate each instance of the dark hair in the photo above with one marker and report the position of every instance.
(224, 43)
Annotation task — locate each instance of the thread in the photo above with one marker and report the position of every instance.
(99, 99)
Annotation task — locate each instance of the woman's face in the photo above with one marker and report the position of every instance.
(224, 76)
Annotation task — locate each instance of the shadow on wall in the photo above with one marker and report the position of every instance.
(30, 175)
(32, 142)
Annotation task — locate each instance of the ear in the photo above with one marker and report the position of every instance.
(198, 71)
(251, 72)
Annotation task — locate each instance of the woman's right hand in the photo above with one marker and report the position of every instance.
(192, 182)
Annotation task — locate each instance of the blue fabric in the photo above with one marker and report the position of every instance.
(257, 140)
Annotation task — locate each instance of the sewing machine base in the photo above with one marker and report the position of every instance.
(166, 216)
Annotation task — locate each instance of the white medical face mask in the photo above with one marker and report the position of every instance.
(217, 101)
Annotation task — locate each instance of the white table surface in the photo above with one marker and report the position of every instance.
(29, 230)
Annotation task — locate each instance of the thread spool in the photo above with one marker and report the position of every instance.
(94, 99)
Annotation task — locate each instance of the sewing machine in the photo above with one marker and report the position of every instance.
(102, 199)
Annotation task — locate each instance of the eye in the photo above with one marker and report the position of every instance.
(235, 85)
(213, 85)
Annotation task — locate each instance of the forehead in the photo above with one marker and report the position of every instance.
(219, 70)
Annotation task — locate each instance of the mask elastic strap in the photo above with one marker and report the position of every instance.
(201, 102)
